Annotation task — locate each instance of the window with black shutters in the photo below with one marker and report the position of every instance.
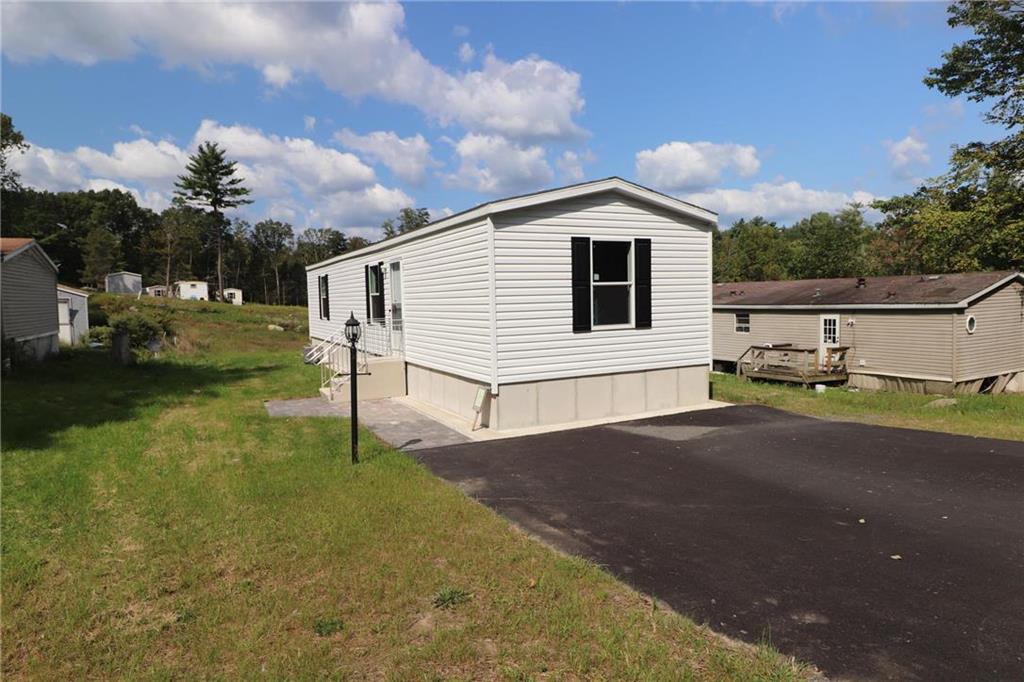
(611, 282)
(325, 298)
(375, 293)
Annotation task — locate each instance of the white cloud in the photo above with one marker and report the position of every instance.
(460, 31)
(677, 166)
(570, 165)
(356, 49)
(779, 200)
(278, 75)
(908, 154)
(139, 130)
(407, 157)
(466, 53)
(493, 165)
(294, 176)
(309, 123)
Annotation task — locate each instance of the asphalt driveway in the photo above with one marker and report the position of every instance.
(872, 552)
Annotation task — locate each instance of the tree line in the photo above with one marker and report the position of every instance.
(970, 218)
(92, 233)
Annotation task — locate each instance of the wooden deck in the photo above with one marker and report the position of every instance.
(786, 362)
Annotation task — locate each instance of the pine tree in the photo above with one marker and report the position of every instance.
(100, 254)
(211, 184)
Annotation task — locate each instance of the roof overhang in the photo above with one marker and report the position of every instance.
(707, 218)
(27, 247)
(72, 290)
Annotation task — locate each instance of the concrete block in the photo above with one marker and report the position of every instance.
(594, 397)
(693, 385)
(517, 406)
(662, 389)
(629, 393)
(556, 401)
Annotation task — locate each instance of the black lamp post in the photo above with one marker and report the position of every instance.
(352, 331)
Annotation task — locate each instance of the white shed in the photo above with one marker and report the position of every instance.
(579, 303)
(124, 283)
(232, 295)
(194, 290)
(72, 314)
(157, 290)
(28, 297)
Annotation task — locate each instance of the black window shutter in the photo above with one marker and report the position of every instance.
(581, 284)
(366, 273)
(325, 302)
(642, 269)
(320, 294)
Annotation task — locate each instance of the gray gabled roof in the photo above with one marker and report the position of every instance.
(904, 291)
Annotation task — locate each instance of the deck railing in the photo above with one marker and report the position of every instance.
(788, 362)
(334, 355)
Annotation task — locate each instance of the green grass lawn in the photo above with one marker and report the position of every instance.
(157, 524)
(993, 416)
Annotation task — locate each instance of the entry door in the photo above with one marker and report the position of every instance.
(397, 328)
(64, 319)
(828, 326)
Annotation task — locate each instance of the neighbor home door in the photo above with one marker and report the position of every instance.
(397, 328)
(64, 319)
(828, 326)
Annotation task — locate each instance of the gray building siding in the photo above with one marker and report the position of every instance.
(123, 283)
(28, 298)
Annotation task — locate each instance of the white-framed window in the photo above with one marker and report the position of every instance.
(376, 294)
(971, 324)
(325, 297)
(611, 282)
(830, 330)
(742, 323)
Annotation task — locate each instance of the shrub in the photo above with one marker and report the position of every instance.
(141, 327)
(100, 334)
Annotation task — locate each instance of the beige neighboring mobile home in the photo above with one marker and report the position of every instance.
(28, 294)
(925, 333)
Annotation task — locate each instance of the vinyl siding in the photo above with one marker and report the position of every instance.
(29, 296)
(445, 292)
(997, 345)
(798, 328)
(906, 343)
(78, 316)
(533, 291)
(896, 342)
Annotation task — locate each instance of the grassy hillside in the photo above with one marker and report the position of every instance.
(157, 524)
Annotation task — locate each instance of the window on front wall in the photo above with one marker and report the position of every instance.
(375, 292)
(742, 323)
(325, 297)
(612, 282)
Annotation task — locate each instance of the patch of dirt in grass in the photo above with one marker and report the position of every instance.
(142, 616)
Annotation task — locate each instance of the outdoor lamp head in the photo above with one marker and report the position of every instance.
(352, 329)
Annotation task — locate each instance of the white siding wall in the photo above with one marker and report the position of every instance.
(533, 271)
(446, 302)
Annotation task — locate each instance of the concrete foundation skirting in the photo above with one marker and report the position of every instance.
(578, 399)
(446, 391)
(880, 382)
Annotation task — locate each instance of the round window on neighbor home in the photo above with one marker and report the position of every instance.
(971, 323)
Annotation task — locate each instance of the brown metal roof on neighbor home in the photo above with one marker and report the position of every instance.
(12, 244)
(904, 290)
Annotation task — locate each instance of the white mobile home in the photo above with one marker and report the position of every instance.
(28, 297)
(232, 295)
(72, 314)
(578, 303)
(193, 290)
(124, 283)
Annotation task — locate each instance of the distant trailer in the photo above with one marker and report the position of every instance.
(233, 296)
(72, 314)
(191, 290)
(124, 283)
(158, 290)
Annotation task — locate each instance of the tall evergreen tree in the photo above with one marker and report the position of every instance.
(100, 255)
(211, 183)
(11, 140)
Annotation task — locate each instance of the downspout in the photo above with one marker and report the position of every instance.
(952, 361)
(493, 307)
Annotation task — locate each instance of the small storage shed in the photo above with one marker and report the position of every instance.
(124, 283)
(959, 332)
(191, 289)
(28, 298)
(573, 304)
(232, 295)
(72, 314)
(158, 290)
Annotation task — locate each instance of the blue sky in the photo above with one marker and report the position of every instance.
(341, 114)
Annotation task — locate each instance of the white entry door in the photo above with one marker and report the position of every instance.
(828, 326)
(64, 319)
